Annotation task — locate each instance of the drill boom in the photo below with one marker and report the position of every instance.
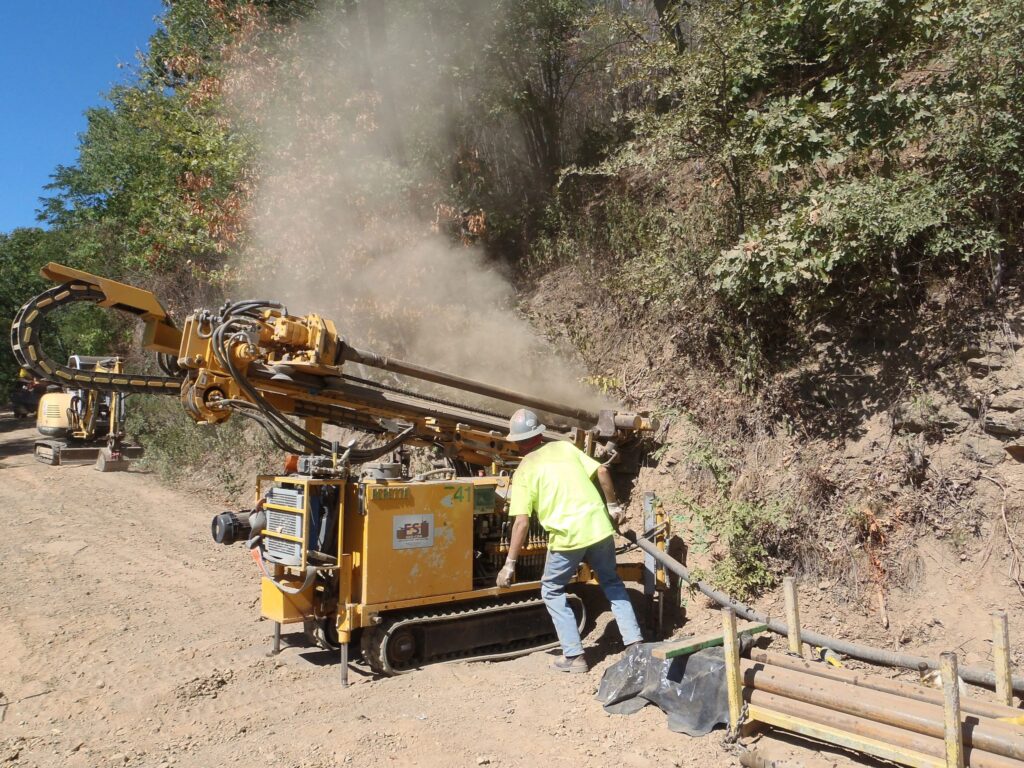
(255, 359)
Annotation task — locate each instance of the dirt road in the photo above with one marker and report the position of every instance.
(130, 639)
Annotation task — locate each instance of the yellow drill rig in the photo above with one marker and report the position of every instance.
(85, 426)
(353, 545)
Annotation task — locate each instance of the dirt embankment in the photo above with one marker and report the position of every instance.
(886, 464)
(130, 639)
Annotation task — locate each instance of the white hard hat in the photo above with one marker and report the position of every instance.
(523, 425)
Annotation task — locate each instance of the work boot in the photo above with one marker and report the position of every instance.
(576, 665)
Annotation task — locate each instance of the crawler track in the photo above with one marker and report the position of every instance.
(483, 631)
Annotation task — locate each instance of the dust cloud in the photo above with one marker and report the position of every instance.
(355, 114)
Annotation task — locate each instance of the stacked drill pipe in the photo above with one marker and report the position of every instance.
(975, 675)
(893, 720)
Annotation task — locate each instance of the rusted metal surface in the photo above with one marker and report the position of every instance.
(903, 746)
(920, 717)
(951, 711)
(873, 682)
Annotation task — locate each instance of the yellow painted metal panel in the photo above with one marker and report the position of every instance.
(285, 508)
(278, 606)
(285, 536)
(417, 540)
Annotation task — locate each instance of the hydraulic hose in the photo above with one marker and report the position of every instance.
(311, 572)
(976, 675)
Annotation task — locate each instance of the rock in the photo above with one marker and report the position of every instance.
(982, 365)
(824, 584)
(822, 332)
(951, 418)
(973, 349)
(1002, 423)
(919, 417)
(1016, 450)
(482, 760)
(982, 449)
(1008, 401)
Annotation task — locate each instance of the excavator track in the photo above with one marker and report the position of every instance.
(482, 631)
(28, 351)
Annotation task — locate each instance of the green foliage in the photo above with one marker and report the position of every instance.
(732, 170)
(704, 456)
(85, 331)
(861, 234)
(224, 456)
(159, 184)
(750, 530)
(153, 183)
(756, 538)
(850, 150)
(749, 540)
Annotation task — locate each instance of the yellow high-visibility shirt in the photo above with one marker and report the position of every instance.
(555, 481)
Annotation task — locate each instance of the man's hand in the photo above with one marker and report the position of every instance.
(506, 574)
(617, 513)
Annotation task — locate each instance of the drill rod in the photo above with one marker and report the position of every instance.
(383, 362)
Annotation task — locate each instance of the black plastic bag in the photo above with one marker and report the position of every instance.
(689, 689)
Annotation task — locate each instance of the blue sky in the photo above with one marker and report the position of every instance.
(57, 58)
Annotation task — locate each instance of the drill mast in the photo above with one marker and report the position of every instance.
(254, 359)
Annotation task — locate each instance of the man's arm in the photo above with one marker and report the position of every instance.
(604, 483)
(603, 480)
(519, 530)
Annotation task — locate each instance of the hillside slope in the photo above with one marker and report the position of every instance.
(872, 467)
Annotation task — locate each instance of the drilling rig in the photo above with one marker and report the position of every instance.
(351, 543)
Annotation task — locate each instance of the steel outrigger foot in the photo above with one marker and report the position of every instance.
(275, 647)
(344, 665)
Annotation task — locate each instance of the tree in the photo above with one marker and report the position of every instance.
(23, 253)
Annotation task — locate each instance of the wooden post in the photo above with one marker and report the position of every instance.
(733, 681)
(1001, 657)
(792, 616)
(951, 694)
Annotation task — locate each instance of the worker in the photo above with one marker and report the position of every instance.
(563, 486)
(26, 393)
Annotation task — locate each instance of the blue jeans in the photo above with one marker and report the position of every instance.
(559, 569)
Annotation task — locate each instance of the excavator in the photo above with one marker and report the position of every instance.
(85, 426)
(370, 552)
